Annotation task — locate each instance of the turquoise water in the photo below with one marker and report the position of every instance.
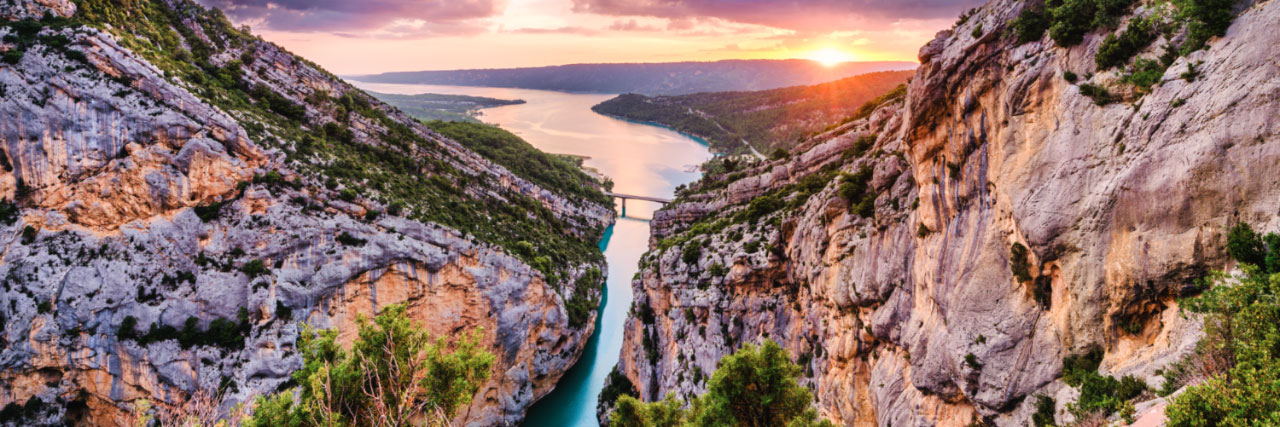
(641, 159)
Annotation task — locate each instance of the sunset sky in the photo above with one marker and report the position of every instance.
(370, 36)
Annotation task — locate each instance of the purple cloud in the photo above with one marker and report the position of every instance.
(799, 15)
(399, 17)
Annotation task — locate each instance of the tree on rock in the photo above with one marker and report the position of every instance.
(754, 387)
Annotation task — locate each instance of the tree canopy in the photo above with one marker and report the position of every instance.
(754, 387)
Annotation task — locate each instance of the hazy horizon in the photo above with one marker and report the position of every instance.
(415, 35)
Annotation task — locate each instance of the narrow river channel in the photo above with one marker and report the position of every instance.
(641, 159)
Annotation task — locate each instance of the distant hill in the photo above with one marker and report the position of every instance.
(767, 120)
(676, 78)
(449, 108)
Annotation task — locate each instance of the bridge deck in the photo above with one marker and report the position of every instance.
(632, 196)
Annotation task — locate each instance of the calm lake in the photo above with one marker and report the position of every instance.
(642, 160)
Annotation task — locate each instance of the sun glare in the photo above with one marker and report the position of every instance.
(829, 57)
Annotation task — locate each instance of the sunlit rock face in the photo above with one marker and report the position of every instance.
(1119, 207)
(116, 166)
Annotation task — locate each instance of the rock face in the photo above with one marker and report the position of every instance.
(141, 198)
(992, 167)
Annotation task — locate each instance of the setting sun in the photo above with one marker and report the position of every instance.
(829, 56)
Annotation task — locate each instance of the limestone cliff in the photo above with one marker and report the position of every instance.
(933, 263)
(170, 175)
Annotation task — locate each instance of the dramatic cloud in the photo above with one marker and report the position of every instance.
(798, 15)
(392, 18)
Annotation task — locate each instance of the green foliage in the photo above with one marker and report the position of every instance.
(691, 253)
(255, 268)
(547, 171)
(209, 212)
(756, 386)
(1246, 246)
(1144, 74)
(615, 387)
(1070, 77)
(855, 188)
(1097, 393)
(392, 365)
(972, 361)
(1031, 23)
(631, 412)
(584, 297)
(1070, 20)
(1116, 50)
(779, 154)
(1205, 19)
(864, 111)
(128, 329)
(1044, 415)
(1099, 94)
(346, 239)
(221, 333)
(1018, 262)
(1239, 356)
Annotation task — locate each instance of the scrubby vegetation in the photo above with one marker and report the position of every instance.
(584, 297)
(393, 374)
(1098, 394)
(1236, 365)
(1116, 50)
(756, 386)
(221, 333)
(504, 148)
(387, 161)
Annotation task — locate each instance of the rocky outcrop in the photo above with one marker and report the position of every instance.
(147, 198)
(1017, 222)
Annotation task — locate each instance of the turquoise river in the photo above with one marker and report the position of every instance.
(642, 160)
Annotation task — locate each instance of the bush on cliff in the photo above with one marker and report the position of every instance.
(1238, 360)
(754, 387)
(393, 374)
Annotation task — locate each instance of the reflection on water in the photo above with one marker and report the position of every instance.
(641, 159)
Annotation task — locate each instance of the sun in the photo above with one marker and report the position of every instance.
(829, 57)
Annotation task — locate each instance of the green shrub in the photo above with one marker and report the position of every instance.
(1145, 74)
(717, 270)
(691, 253)
(1031, 23)
(1070, 77)
(1099, 94)
(1018, 263)
(423, 379)
(583, 298)
(1044, 415)
(779, 154)
(255, 268)
(1116, 50)
(209, 212)
(346, 239)
(128, 329)
(756, 386)
(1070, 20)
(1239, 355)
(1206, 19)
(972, 361)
